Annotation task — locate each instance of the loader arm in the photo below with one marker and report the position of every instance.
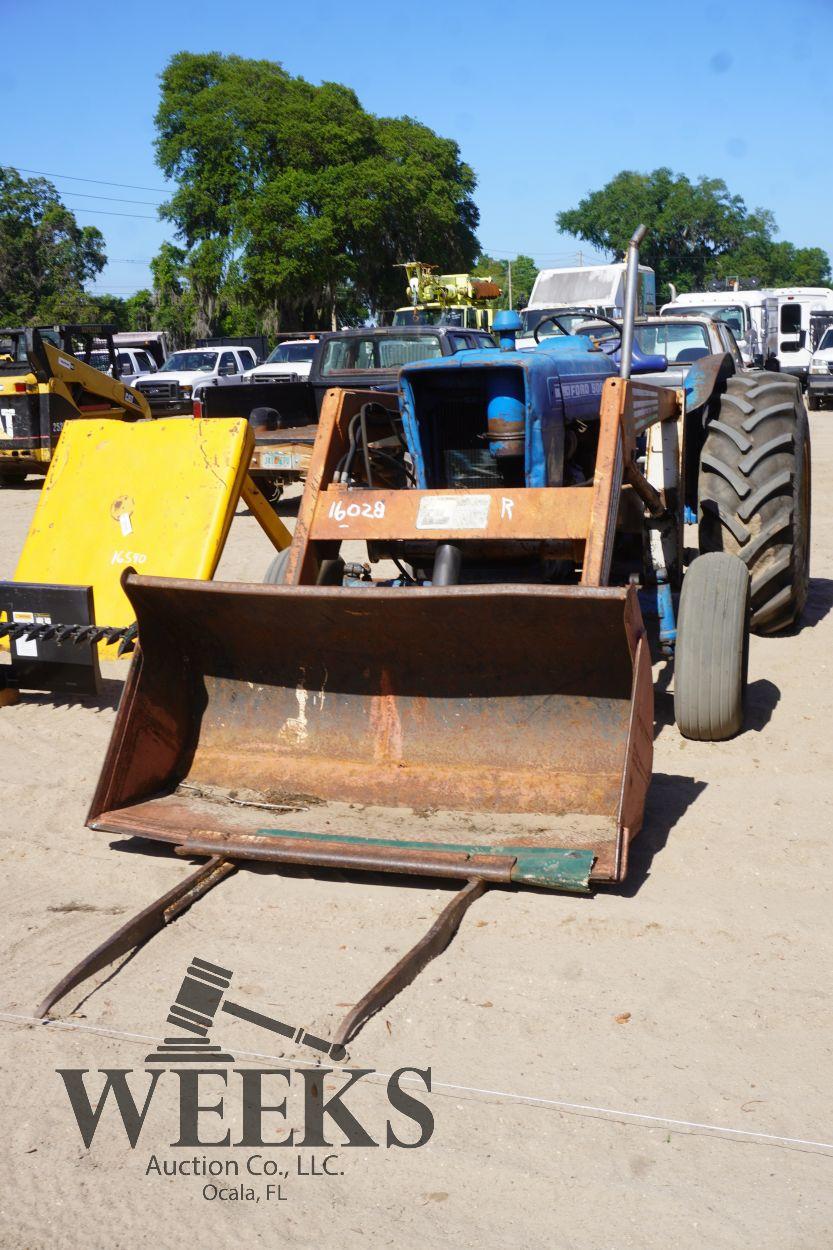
(84, 387)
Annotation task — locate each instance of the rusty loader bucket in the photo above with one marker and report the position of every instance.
(503, 732)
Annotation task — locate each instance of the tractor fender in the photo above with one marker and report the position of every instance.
(705, 377)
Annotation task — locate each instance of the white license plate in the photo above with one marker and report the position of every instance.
(278, 460)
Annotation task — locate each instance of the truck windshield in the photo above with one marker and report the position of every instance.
(429, 317)
(680, 341)
(826, 341)
(190, 362)
(390, 352)
(286, 353)
(531, 317)
(734, 315)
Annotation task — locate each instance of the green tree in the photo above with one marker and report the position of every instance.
(524, 273)
(172, 295)
(45, 256)
(109, 310)
(775, 264)
(698, 231)
(293, 203)
(141, 310)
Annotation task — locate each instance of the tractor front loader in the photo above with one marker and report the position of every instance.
(475, 700)
(44, 384)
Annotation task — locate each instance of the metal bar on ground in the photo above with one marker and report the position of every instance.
(142, 926)
(433, 943)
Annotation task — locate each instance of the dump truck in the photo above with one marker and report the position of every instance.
(474, 700)
(44, 383)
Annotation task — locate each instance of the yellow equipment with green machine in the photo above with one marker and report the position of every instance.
(447, 299)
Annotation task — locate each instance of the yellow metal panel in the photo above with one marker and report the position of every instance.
(155, 495)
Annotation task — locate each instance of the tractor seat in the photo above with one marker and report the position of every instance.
(689, 354)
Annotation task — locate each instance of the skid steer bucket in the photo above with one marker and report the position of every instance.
(503, 732)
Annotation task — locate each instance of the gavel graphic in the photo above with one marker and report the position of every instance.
(195, 1007)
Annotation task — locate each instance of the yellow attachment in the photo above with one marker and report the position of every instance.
(157, 496)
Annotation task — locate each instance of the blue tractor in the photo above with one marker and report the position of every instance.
(523, 519)
(475, 699)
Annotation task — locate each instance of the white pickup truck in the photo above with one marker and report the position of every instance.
(174, 387)
(290, 361)
(131, 363)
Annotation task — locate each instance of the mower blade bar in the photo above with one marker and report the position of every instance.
(142, 926)
(433, 943)
(78, 635)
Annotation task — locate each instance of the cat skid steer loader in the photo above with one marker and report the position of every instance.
(46, 381)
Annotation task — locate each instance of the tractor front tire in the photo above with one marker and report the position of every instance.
(275, 575)
(712, 652)
(754, 492)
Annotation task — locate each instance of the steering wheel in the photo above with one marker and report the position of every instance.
(609, 351)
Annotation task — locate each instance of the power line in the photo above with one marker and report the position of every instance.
(104, 212)
(99, 182)
(513, 252)
(111, 199)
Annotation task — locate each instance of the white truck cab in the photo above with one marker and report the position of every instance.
(290, 361)
(572, 294)
(771, 325)
(796, 305)
(131, 363)
(752, 316)
(184, 374)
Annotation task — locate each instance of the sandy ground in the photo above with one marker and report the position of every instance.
(698, 993)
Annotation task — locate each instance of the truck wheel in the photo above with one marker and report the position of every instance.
(813, 403)
(265, 418)
(712, 651)
(754, 492)
(276, 573)
(11, 477)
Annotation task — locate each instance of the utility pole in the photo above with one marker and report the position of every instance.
(509, 267)
(581, 258)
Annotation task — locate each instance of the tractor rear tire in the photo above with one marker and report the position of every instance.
(754, 492)
(712, 651)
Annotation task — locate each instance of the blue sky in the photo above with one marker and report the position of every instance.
(547, 100)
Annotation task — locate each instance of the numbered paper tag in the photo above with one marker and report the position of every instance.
(453, 512)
